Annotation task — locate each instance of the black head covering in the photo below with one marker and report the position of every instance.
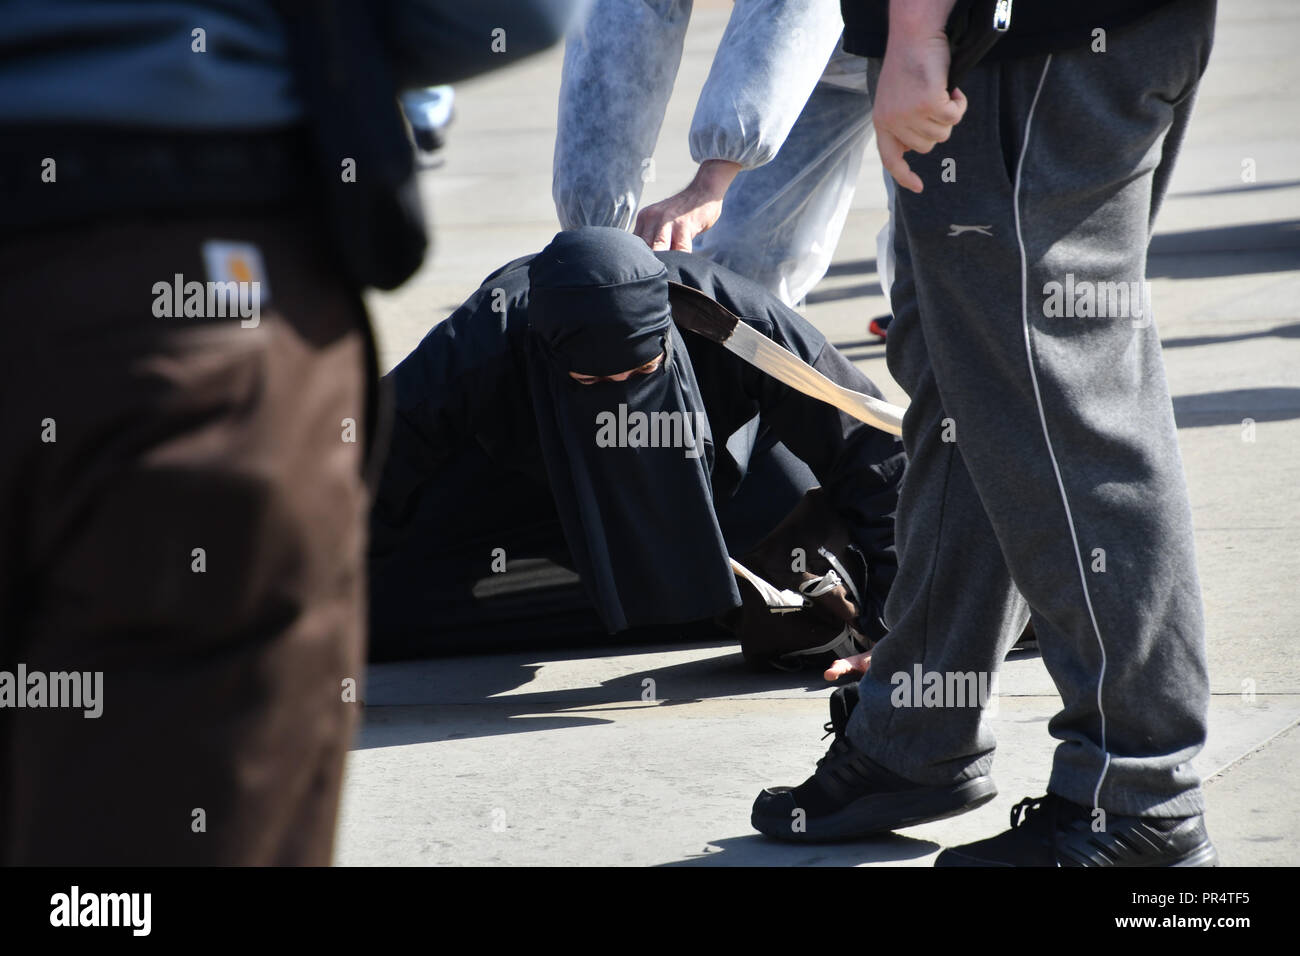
(639, 519)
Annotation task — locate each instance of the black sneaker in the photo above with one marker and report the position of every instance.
(843, 700)
(850, 795)
(1053, 831)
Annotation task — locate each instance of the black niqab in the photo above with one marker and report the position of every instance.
(629, 462)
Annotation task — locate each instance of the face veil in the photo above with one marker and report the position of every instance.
(629, 462)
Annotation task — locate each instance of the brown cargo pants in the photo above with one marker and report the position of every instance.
(182, 512)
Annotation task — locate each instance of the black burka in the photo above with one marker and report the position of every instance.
(434, 590)
(488, 424)
(629, 462)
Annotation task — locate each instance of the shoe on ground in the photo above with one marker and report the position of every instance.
(1053, 831)
(851, 796)
(879, 326)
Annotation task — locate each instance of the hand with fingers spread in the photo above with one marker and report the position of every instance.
(913, 110)
(673, 223)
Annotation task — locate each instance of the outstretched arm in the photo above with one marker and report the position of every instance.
(766, 65)
(620, 63)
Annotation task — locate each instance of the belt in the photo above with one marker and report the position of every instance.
(57, 175)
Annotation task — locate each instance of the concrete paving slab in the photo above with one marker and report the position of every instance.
(554, 757)
(1260, 813)
(583, 771)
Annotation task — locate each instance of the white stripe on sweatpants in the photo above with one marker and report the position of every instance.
(1042, 417)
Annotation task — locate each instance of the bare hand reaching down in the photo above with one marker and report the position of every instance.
(673, 223)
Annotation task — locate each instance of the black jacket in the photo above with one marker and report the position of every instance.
(1037, 26)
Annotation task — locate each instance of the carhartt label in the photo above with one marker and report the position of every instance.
(239, 263)
(236, 262)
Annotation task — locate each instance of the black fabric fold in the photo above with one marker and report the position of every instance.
(630, 462)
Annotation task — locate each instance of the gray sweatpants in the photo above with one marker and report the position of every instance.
(1044, 469)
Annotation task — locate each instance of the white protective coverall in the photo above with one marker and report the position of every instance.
(781, 100)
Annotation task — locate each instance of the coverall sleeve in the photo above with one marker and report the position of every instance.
(771, 56)
(620, 63)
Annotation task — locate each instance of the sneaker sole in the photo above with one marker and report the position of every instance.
(883, 812)
(1203, 855)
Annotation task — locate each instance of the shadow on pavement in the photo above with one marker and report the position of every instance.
(399, 726)
(1240, 249)
(453, 698)
(1291, 331)
(847, 292)
(1244, 188)
(862, 354)
(1227, 250)
(851, 267)
(1233, 406)
(758, 850)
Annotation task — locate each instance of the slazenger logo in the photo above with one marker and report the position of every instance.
(75, 908)
(955, 230)
(654, 430)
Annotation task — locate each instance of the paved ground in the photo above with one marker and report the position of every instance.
(558, 757)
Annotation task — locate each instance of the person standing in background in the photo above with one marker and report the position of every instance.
(779, 131)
